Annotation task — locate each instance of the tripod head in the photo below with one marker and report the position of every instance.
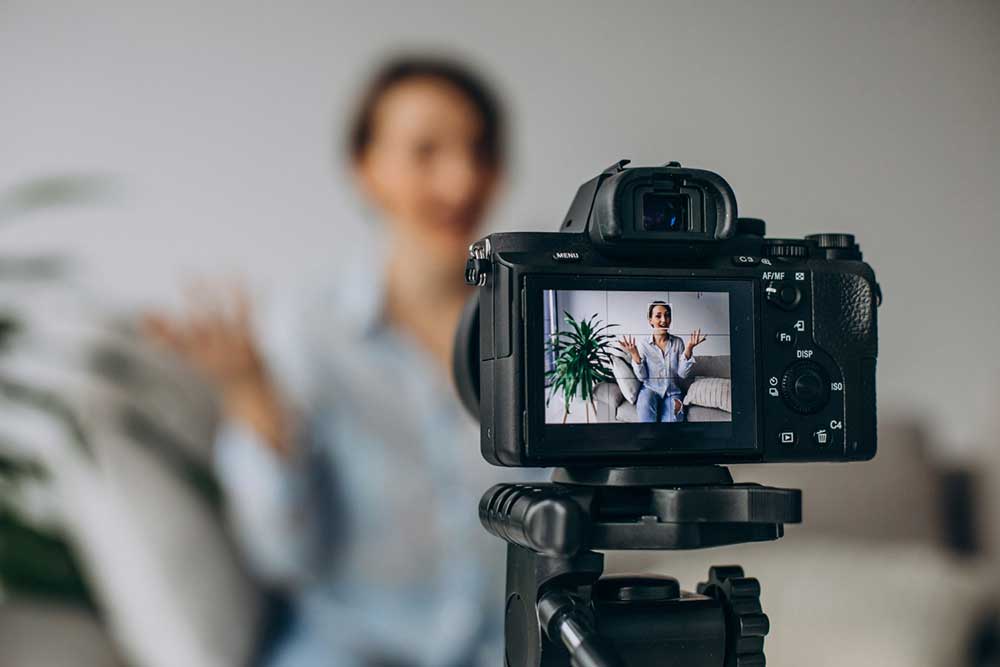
(561, 611)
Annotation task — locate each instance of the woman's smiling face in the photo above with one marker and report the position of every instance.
(659, 319)
(425, 167)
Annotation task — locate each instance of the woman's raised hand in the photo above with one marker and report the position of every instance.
(627, 343)
(694, 340)
(216, 337)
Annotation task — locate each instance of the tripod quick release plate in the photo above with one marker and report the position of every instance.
(659, 512)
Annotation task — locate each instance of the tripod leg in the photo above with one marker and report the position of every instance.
(565, 620)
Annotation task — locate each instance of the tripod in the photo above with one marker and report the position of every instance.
(561, 611)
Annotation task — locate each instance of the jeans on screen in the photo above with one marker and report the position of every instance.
(652, 407)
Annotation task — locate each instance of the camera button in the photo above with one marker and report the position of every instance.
(746, 260)
(789, 295)
(784, 296)
(566, 256)
(787, 438)
(823, 437)
(785, 338)
(805, 387)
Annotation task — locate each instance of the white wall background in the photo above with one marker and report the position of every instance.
(627, 310)
(219, 120)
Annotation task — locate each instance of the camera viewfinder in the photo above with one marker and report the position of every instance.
(664, 213)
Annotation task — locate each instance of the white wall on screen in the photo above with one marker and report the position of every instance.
(708, 311)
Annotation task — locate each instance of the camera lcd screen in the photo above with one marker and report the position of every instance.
(637, 357)
(588, 398)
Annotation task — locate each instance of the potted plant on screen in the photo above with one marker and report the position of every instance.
(582, 361)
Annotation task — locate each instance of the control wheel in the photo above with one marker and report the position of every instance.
(746, 622)
(805, 387)
(837, 246)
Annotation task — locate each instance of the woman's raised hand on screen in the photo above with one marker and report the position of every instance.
(627, 343)
(694, 340)
(216, 337)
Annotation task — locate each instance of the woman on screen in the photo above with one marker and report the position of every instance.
(659, 362)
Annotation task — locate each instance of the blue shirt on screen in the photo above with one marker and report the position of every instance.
(659, 369)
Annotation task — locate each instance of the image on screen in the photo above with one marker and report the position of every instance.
(620, 357)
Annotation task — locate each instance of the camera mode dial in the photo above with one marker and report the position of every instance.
(837, 246)
(805, 387)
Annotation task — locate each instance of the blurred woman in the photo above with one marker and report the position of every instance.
(352, 473)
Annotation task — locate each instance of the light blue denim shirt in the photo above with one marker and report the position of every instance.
(661, 369)
(373, 525)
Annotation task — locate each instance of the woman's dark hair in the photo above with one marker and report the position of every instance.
(407, 68)
(654, 304)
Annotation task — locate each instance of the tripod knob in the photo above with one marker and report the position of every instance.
(540, 517)
(746, 622)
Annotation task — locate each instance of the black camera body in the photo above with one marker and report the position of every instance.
(791, 322)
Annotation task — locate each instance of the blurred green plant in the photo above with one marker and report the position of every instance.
(57, 190)
(48, 192)
(582, 361)
(36, 560)
(38, 564)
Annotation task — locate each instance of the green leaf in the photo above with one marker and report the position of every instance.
(582, 358)
(37, 564)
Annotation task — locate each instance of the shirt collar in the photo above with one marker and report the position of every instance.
(353, 294)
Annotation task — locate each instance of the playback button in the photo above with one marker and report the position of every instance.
(787, 438)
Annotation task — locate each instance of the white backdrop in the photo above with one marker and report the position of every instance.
(218, 122)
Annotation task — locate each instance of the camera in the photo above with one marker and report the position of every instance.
(654, 339)
(657, 328)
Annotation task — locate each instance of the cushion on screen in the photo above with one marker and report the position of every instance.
(621, 368)
(710, 392)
